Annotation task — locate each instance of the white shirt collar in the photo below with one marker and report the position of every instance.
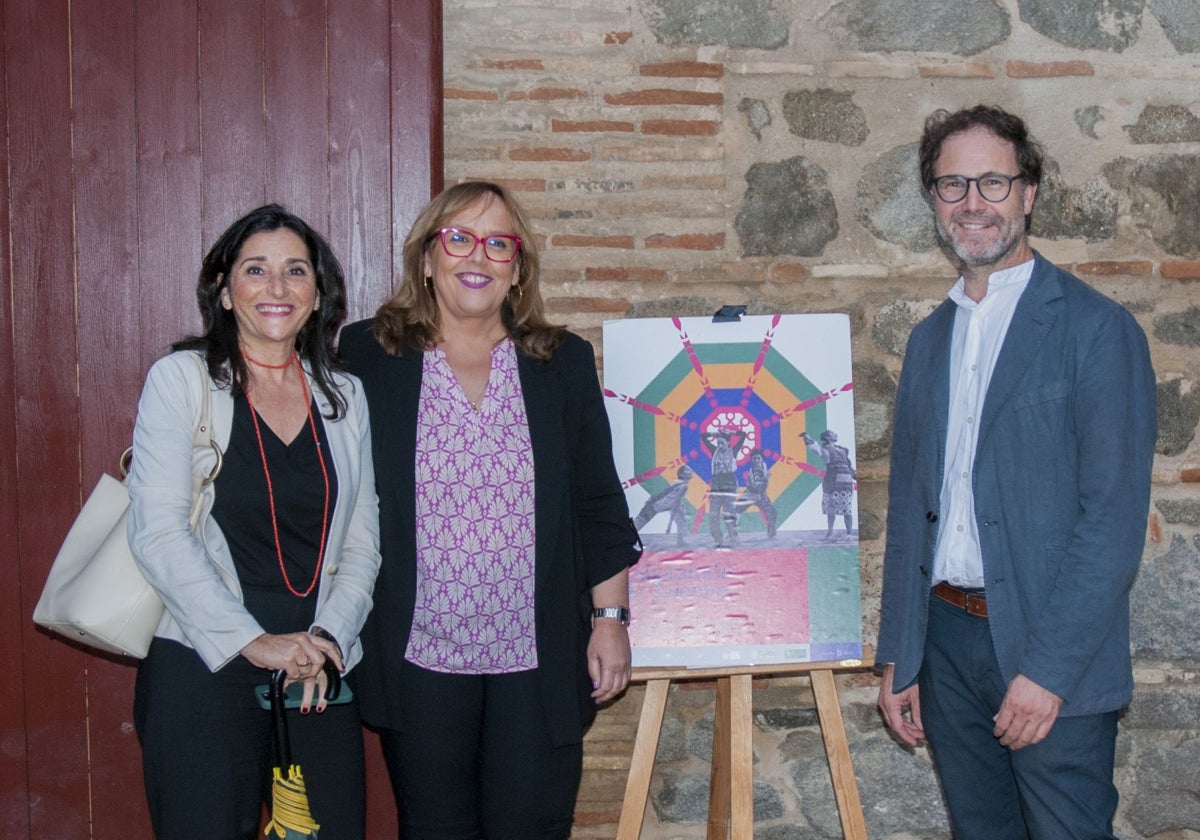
(1004, 280)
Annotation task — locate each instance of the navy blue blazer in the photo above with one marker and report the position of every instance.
(583, 534)
(1061, 485)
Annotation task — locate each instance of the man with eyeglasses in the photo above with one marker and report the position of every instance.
(1020, 483)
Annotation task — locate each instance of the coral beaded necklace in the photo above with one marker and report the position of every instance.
(312, 424)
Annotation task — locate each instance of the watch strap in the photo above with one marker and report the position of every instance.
(621, 614)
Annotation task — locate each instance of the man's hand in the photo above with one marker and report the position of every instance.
(1026, 715)
(901, 712)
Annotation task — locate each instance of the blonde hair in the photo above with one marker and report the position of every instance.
(411, 319)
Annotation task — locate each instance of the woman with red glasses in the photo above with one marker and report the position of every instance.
(502, 603)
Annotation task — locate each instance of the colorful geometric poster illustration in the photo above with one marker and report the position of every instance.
(735, 445)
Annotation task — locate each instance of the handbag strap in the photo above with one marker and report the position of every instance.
(203, 439)
(203, 436)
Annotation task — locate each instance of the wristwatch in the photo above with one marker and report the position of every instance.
(621, 614)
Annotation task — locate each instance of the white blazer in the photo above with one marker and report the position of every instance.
(194, 573)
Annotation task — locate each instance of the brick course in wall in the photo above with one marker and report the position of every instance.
(630, 130)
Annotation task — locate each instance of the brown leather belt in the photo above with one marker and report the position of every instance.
(970, 602)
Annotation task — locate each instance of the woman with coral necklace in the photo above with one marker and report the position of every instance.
(279, 572)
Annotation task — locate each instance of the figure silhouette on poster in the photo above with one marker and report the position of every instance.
(758, 477)
(723, 486)
(669, 501)
(837, 487)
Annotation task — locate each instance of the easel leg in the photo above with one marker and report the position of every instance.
(718, 779)
(731, 784)
(641, 767)
(741, 715)
(837, 750)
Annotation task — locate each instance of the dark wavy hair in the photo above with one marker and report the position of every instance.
(942, 124)
(314, 344)
(411, 319)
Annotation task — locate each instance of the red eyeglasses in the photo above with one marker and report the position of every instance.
(499, 247)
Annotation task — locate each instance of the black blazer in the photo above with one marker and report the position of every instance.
(583, 534)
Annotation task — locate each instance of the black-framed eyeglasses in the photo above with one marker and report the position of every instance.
(499, 247)
(993, 186)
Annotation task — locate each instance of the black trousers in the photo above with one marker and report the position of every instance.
(474, 759)
(207, 754)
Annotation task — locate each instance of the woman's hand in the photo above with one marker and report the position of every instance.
(315, 689)
(301, 656)
(608, 658)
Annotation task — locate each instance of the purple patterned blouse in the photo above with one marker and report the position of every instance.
(475, 526)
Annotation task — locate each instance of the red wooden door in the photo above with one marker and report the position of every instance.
(136, 130)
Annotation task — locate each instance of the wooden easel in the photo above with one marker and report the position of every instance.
(731, 793)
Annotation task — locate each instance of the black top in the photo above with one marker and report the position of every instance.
(242, 507)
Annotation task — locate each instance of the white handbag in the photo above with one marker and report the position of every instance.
(95, 593)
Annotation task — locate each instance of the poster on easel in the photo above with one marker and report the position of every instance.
(734, 441)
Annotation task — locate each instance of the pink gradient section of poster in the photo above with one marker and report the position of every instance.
(763, 598)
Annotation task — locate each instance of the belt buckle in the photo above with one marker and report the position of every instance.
(973, 604)
(976, 606)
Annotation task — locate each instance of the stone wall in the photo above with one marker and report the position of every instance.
(677, 155)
